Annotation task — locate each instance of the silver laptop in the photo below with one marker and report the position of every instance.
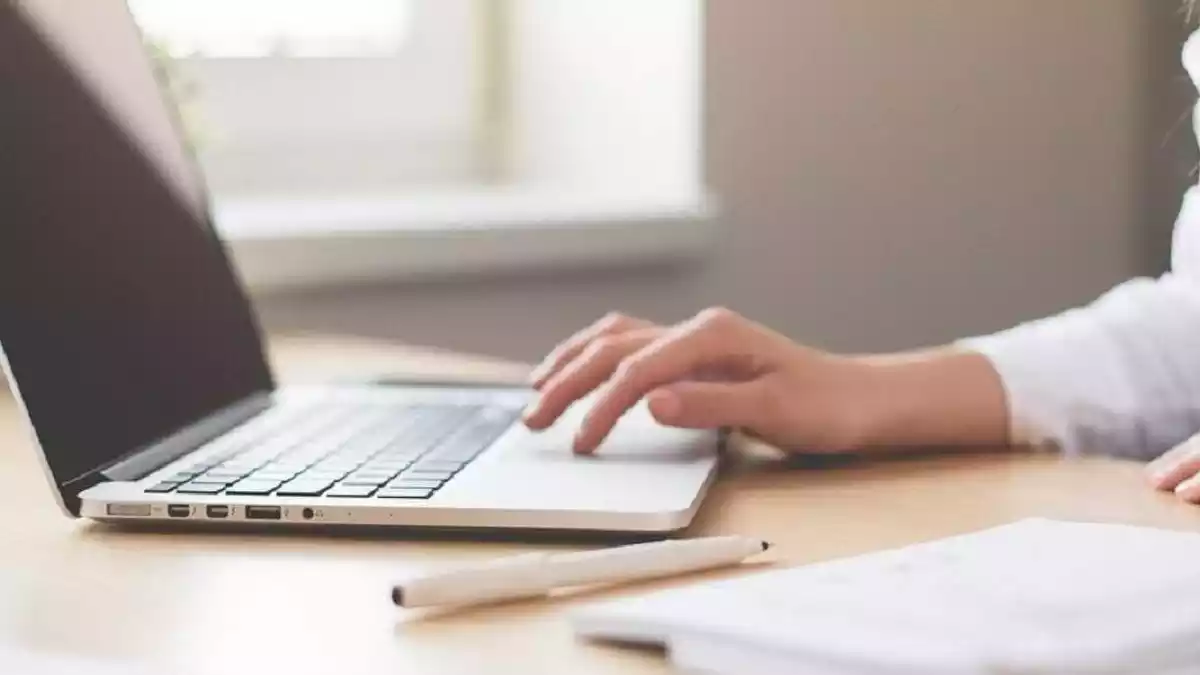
(136, 356)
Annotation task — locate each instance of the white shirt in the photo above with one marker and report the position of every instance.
(1122, 376)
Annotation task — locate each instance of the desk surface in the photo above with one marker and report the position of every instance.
(228, 603)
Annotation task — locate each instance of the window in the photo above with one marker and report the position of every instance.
(354, 140)
(263, 28)
(321, 97)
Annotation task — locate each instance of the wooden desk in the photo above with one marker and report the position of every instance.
(224, 604)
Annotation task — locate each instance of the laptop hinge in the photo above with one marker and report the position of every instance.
(148, 460)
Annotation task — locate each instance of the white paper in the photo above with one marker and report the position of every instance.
(18, 661)
(1037, 596)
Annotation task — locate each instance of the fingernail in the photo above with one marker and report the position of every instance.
(580, 443)
(580, 446)
(1189, 489)
(665, 405)
(531, 411)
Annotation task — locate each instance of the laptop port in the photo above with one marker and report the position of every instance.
(129, 510)
(179, 510)
(264, 512)
(217, 511)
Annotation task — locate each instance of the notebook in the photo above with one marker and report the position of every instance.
(17, 661)
(1035, 596)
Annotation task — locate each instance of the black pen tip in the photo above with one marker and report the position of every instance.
(398, 596)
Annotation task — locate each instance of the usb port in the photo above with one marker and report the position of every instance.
(217, 511)
(264, 512)
(179, 510)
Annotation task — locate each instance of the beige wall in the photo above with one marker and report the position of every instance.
(894, 173)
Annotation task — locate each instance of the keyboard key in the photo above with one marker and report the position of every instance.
(303, 488)
(328, 479)
(372, 473)
(391, 462)
(437, 465)
(346, 490)
(441, 474)
(342, 435)
(213, 480)
(404, 493)
(278, 476)
(201, 488)
(253, 487)
(217, 474)
(414, 482)
(373, 482)
(291, 467)
(383, 476)
(420, 442)
(165, 486)
(323, 474)
(455, 454)
(473, 438)
(303, 450)
(343, 467)
(385, 466)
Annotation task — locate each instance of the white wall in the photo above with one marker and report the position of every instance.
(895, 173)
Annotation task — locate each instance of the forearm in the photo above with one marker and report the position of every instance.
(949, 398)
(1119, 377)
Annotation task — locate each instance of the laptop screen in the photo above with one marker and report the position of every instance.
(121, 319)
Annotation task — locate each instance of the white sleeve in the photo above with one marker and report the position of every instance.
(1120, 377)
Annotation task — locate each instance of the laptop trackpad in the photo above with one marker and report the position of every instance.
(637, 438)
(642, 466)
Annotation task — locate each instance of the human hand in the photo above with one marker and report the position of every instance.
(1178, 470)
(715, 370)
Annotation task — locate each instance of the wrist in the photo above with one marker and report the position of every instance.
(945, 397)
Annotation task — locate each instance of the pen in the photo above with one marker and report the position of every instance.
(536, 574)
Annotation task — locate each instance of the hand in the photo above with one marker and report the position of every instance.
(714, 370)
(1178, 470)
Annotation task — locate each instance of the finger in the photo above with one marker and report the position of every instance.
(715, 336)
(1176, 466)
(560, 356)
(594, 365)
(709, 405)
(1189, 490)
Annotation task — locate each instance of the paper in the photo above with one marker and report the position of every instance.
(16, 661)
(1037, 596)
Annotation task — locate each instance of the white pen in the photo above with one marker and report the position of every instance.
(536, 574)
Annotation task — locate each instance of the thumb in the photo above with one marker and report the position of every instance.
(707, 405)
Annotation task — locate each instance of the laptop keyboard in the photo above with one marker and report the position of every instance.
(346, 450)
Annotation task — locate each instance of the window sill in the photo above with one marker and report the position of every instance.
(285, 244)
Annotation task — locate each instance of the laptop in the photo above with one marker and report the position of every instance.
(132, 348)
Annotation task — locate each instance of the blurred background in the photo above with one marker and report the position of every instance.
(489, 175)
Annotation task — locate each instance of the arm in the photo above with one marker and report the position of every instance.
(721, 370)
(1120, 377)
(945, 397)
